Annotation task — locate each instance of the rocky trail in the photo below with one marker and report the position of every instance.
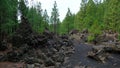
(28, 49)
(80, 60)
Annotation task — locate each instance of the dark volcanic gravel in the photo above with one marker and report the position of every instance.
(80, 58)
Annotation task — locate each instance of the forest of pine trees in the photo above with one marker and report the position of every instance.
(94, 15)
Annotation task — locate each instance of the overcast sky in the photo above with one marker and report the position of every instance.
(62, 6)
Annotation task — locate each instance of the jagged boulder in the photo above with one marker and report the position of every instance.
(49, 62)
(74, 31)
(3, 45)
(14, 56)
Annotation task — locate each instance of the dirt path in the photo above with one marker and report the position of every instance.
(80, 58)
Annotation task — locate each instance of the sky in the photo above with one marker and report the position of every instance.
(62, 6)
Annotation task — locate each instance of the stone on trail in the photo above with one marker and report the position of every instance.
(30, 66)
(49, 62)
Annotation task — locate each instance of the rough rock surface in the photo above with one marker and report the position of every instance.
(29, 49)
(37, 50)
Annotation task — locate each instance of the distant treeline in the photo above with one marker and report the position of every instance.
(94, 15)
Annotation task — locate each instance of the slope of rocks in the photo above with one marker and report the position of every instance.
(33, 49)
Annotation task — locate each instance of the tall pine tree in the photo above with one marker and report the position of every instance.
(112, 15)
(55, 18)
(68, 22)
(8, 16)
(79, 18)
(23, 8)
(45, 19)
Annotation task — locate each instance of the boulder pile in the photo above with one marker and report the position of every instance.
(42, 50)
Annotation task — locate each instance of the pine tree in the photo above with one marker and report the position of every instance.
(55, 18)
(22, 7)
(34, 19)
(90, 14)
(40, 23)
(100, 14)
(68, 22)
(80, 16)
(8, 17)
(45, 18)
(35, 16)
(112, 15)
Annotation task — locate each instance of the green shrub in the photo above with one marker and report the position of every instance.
(90, 38)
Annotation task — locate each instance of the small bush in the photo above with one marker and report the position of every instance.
(91, 38)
